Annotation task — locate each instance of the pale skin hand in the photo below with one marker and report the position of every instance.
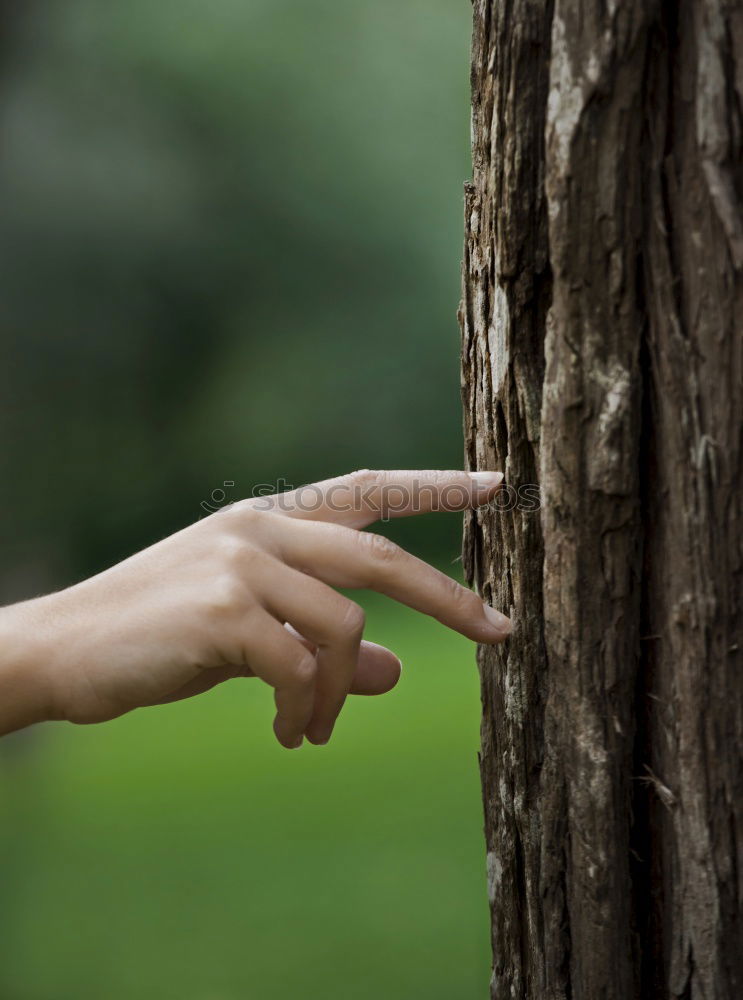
(245, 592)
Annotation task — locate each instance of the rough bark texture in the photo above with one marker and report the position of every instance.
(602, 323)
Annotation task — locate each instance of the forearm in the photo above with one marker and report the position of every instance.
(24, 667)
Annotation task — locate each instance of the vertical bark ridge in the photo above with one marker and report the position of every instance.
(506, 295)
(693, 523)
(602, 358)
(590, 439)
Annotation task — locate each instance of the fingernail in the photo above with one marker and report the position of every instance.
(297, 743)
(497, 620)
(485, 481)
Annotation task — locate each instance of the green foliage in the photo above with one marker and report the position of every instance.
(232, 251)
(179, 852)
(232, 243)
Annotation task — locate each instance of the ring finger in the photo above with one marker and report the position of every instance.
(334, 624)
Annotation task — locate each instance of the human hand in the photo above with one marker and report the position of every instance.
(246, 592)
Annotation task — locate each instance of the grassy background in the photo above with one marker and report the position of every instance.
(231, 244)
(180, 853)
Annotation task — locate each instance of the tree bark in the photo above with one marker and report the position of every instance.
(602, 359)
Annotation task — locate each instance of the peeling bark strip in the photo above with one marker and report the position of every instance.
(602, 357)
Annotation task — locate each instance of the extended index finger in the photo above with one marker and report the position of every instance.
(359, 499)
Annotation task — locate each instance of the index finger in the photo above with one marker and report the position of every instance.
(359, 499)
(351, 559)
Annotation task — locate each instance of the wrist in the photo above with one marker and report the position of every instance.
(26, 647)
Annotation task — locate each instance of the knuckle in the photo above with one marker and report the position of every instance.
(360, 476)
(366, 478)
(230, 548)
(353, 620)
(462, 600)
(243, 511)
(224, 596)
(304, 669)
(248, 518)
(381, 549)
(239, 555)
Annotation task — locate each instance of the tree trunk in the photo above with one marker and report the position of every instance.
(602, 360)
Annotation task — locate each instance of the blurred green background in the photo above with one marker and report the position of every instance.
(231, 238)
